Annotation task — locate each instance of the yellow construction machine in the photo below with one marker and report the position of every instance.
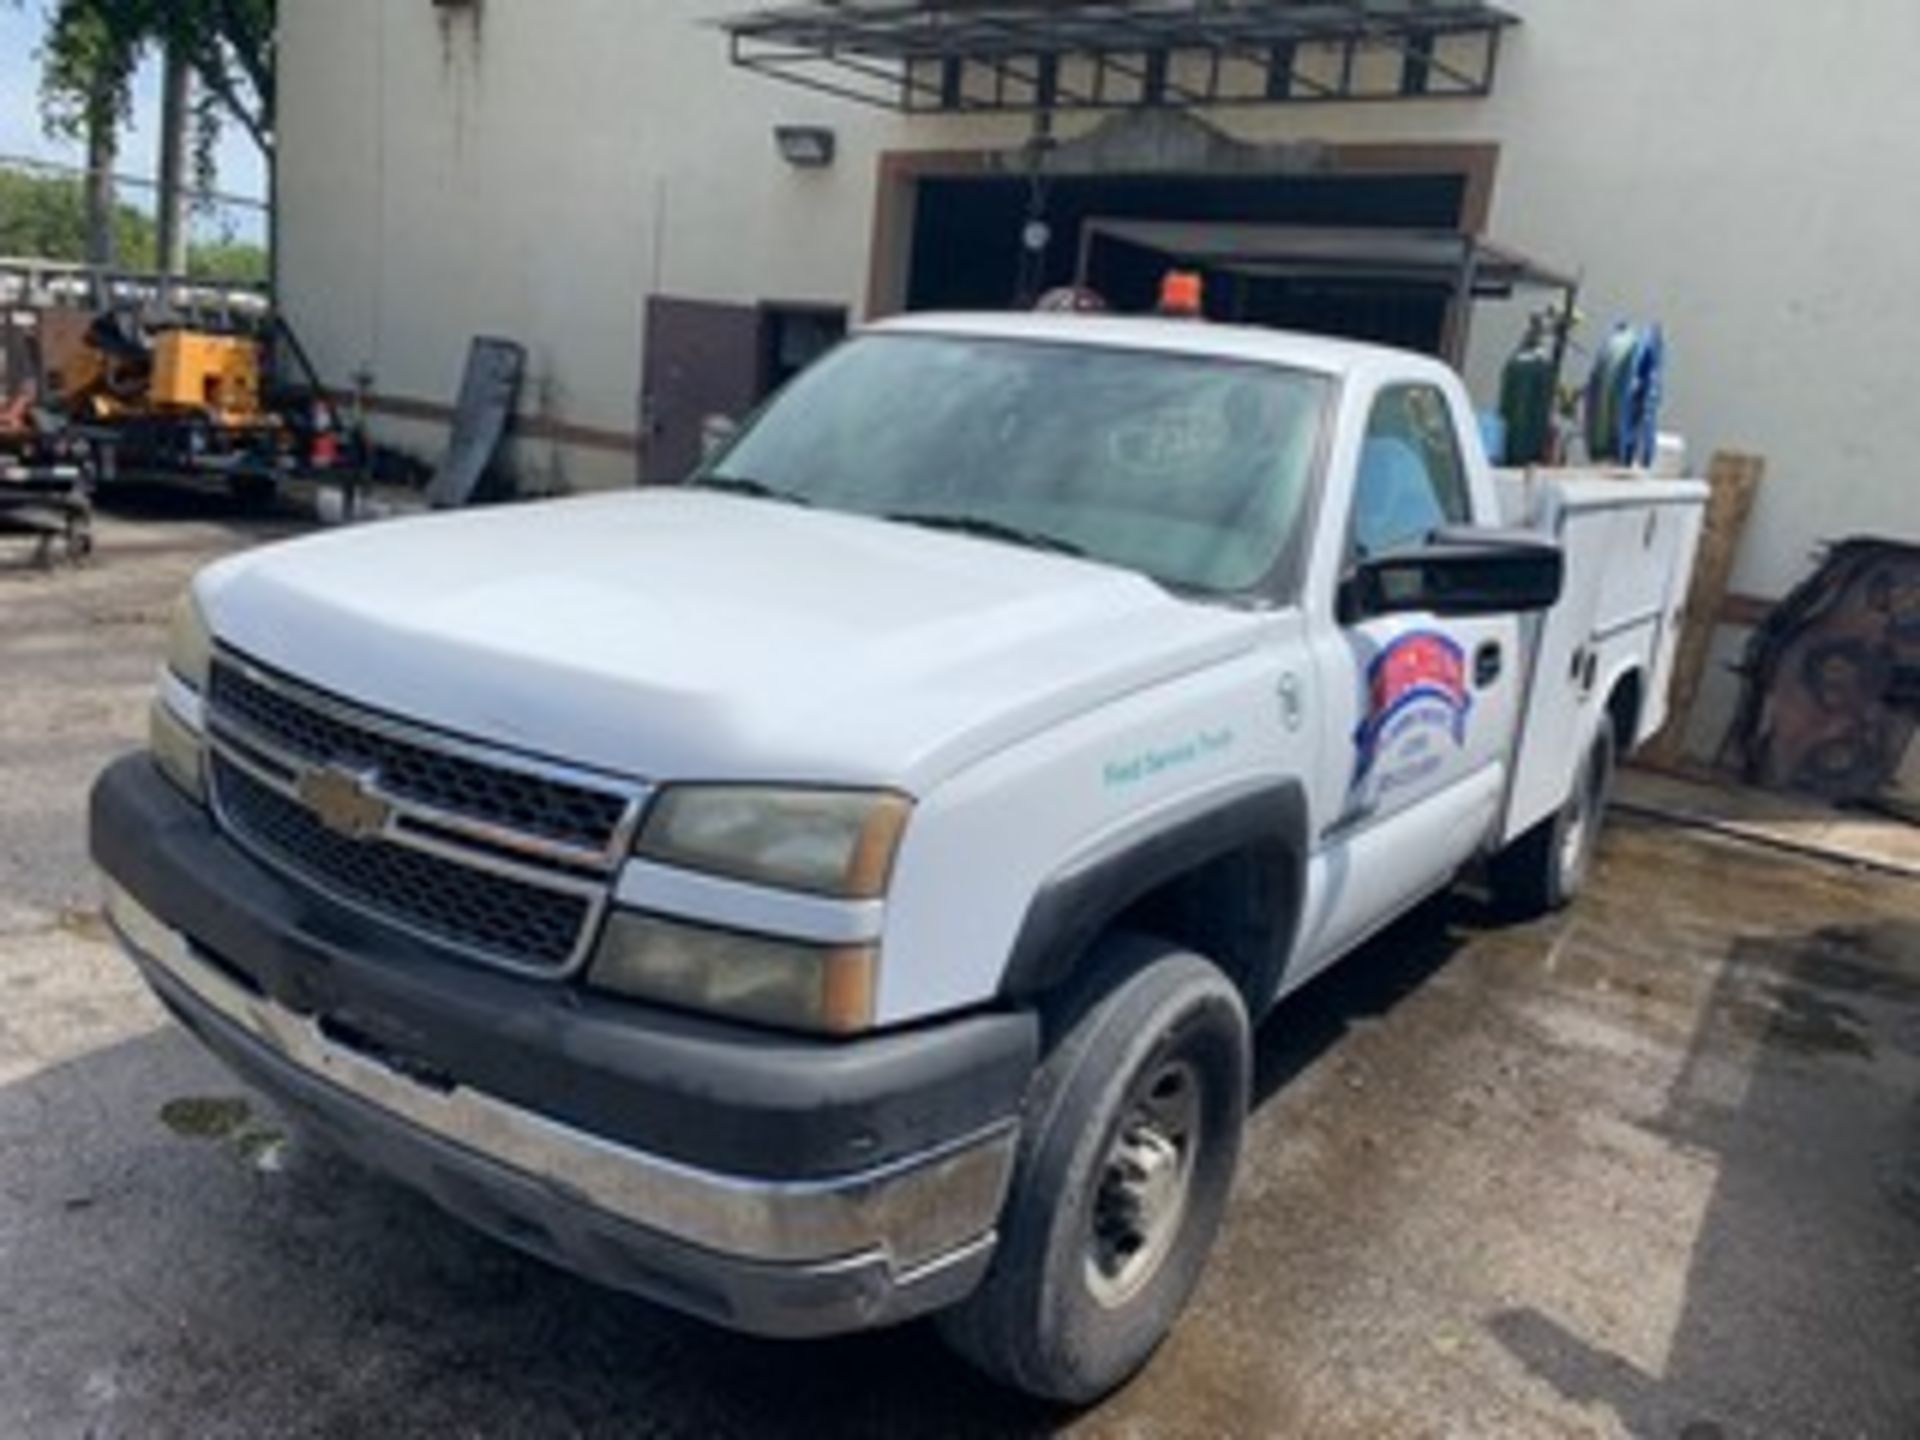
(183, 401)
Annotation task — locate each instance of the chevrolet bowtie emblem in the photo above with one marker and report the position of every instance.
(345, 802)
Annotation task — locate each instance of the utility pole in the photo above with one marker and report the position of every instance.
(176, 95)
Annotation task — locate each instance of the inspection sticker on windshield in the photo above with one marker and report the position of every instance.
(1169, 440)
(1416, 694)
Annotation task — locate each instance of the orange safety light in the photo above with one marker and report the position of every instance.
(1182, 293)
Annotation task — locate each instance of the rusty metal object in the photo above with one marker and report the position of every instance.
(1832, 677)
(46, 479)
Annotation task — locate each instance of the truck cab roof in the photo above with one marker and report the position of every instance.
(1244, 343)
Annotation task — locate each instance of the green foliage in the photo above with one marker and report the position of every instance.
(236, 260)
(45, 218)
(93, 48)
(229, 44)
(87, 63)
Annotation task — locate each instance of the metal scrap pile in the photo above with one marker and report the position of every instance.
(1832, 678)
(45, 476)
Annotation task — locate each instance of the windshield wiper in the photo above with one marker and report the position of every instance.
(757, 489)
(986, 529)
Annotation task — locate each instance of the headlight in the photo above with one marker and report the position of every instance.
(830, 842)
(823, 988)
(190, 644)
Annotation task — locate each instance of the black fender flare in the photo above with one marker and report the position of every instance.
(1082, 899)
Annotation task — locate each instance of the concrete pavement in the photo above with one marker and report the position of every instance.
(1648, 1169)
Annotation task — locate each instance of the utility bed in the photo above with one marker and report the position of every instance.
(1629, 543)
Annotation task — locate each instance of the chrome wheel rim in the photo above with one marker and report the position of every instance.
(1144, 1184)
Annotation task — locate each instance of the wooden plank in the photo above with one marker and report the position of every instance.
(1745, 610)
(1733, 479)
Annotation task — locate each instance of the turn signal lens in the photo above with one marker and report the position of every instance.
(178, 750)
(190, 644)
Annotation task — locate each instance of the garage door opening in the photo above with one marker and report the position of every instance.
(970, 248)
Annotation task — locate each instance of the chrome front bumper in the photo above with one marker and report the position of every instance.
(814, 1256)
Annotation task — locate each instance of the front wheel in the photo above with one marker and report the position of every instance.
(1131, 1138)
(1545, 868)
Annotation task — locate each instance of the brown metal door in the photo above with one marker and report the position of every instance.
(702, 360)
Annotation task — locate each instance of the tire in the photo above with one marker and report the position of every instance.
(253, 493)
(1108, 1225)
(1546, 868)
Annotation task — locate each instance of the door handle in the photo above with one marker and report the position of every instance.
(1486, 664)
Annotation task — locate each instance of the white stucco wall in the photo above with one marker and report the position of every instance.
(1743, 172)
(536, 174)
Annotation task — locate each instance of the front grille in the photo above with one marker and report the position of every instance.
(507, 919)
(517, 800)
(509, 859)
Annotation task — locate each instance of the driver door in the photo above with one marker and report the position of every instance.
(1425, 706)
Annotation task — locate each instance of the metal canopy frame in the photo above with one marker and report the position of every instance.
(1045, 56)
(1463, 267)
(1311, 252)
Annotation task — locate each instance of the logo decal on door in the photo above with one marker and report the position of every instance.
(1416, 689)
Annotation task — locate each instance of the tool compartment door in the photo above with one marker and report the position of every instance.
(1629, 557)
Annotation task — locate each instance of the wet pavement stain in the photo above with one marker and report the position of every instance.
(256, 1144)
(262, 1147)
(205, 1118)
(1620, 1171)
(1835, 990)
(1801, 1018)
(1881, 960)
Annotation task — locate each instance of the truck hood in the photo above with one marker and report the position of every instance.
(696, 636)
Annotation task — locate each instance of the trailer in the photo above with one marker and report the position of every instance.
(171, 380)
(46, 497)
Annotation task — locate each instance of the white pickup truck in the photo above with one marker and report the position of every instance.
(842, 888)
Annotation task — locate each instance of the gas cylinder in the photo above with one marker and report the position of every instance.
(1526, 396)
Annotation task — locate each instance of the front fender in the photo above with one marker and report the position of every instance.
(1265, 821)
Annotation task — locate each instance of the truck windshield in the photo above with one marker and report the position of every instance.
(1191, 470)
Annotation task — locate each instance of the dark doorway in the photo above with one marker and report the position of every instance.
(707, 361)
(792, 337)
(967, 245)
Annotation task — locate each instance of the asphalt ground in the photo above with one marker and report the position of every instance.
(1651, 1168)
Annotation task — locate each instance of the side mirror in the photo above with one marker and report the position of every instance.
(1458, 571)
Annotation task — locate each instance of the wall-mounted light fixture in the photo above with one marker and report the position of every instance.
(805, 147)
